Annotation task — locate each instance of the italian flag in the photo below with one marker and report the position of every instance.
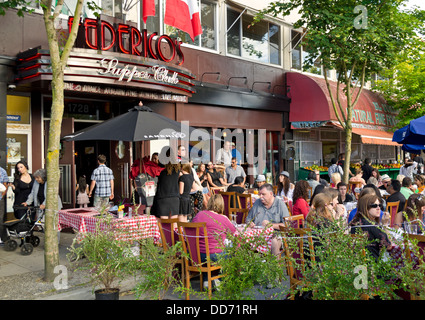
(184, 15)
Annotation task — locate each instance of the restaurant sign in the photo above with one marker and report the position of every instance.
(127, 73)
(111, 91)
(101, 35)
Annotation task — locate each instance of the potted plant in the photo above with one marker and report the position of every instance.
(108, 258)
(157, 269)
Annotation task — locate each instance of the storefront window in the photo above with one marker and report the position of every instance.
(260, 42)
(387, 153)
(370, 151)
(17, 150)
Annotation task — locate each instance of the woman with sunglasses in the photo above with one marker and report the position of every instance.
(367, 219)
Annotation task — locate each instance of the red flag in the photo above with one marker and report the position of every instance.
(148, 9)
(184, 15)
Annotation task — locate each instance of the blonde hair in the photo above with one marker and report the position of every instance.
(216, 203)
(335, 178)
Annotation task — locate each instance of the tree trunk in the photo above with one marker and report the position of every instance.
(51, 252)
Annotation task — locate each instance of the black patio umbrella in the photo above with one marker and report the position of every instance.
(138, 124)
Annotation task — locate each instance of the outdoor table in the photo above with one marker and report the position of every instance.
(84, 220)
(251, 233)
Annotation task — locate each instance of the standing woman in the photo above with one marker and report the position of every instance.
(201, 171)
(300, 204)
(22, 186)
(166, 203)
(38, 194)
(186, 184)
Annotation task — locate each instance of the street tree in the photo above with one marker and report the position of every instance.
(355, 38)
(403, 87)
(60, 50)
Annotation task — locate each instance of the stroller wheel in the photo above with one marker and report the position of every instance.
(35, 241)
(10, 245)
(27, 249)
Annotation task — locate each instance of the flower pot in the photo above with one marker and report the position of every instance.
(107, 294)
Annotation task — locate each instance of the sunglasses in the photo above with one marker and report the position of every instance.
(374, 206)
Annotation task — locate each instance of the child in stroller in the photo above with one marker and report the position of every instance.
(23, 229)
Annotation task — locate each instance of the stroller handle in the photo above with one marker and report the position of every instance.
(20, 207)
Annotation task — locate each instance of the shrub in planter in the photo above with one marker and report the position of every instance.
(248, 272)
(343, 269)
(157, 270)
(108, 259)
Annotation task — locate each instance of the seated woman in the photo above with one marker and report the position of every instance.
(335, 179)
(377, 176)
(338, 210)
(420, 183)
(285, 188)
(368, 189)
(415, 209)
(358, 177)
(321, 211)
(367, 220)
(300, 204)
(217, 226)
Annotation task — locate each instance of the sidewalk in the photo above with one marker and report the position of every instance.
(21, 277)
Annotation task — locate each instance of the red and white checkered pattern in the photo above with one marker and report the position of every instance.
(136, 228)
(267, 233)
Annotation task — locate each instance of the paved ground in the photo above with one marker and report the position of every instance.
(21, 277)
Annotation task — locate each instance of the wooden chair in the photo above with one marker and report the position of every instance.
(215, 190)
(296, 268)
(191, 235)
(296, 221)
(242, 207)
(229, 199)
(310, 192)
(169, 237)
(392, 208)
(289, 206)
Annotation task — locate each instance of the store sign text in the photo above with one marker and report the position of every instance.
(101, 35)
(384, 119)
(158, 73)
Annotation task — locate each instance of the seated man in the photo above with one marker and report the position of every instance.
(268, 210)
(395, 195)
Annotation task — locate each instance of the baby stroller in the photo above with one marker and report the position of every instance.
(23, 229)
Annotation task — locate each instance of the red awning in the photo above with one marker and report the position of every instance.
(311, 106)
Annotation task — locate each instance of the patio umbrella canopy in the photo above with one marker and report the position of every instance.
(413, 148)
(138, 124)
(413, 133)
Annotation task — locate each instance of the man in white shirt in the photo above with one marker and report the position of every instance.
(224, 155)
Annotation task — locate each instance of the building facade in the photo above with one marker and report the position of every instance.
(234, 79)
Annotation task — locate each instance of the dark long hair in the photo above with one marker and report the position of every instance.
(284, 186)
(300, 191)
(82, 184)
(17, 174)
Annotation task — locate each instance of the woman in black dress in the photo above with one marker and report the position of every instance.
(22, 186)
(166, 203)
(186, 183)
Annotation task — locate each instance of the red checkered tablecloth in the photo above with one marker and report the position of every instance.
(85, 219)
(251, 233)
